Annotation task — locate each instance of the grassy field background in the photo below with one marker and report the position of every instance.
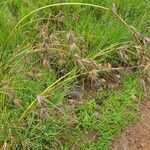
(54, 69)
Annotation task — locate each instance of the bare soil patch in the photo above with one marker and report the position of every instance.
(137, 136)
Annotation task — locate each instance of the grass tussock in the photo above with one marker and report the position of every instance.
(71, 73)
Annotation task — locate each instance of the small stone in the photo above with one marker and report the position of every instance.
(128, 131)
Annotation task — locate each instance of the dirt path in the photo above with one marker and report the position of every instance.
(137, 136)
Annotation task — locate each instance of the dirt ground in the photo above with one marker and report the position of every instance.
(137, 136)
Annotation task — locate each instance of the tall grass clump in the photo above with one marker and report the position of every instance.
(70, 68)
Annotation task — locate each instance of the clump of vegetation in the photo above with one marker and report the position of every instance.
(70, 73)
